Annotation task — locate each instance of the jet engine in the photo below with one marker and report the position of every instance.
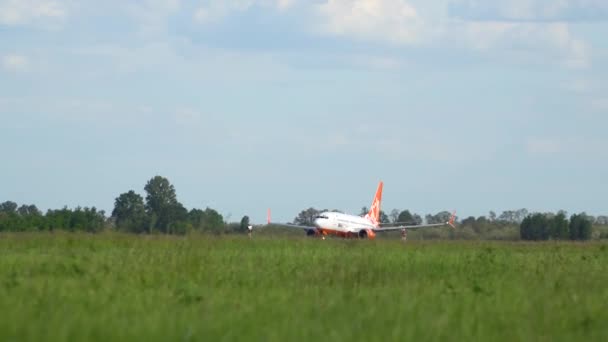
(367, 234)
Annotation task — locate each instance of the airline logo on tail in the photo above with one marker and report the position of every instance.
(374, 211)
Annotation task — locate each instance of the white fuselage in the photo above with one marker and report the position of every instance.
(342, 223)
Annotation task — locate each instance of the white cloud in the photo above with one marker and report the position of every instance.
(151, 16)
(539, 42)
(406, 22)
(391, 21)
(23, 12)
(15, 63)
(530, 10)
(217, 9)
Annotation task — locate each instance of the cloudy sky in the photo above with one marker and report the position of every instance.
(247, 104)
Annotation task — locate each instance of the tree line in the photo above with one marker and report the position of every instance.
(556, 227)
(14, 218)
(161, 212)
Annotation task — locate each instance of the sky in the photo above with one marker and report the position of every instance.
(287, 104)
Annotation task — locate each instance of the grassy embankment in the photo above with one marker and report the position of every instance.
(120, 287)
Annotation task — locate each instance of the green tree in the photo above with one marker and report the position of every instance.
(405, 217)
(243, 227)
(492, 216)
(306, 217)
(31, 217)
(535, 227)
(214, 222)
(440, 217)
(208, 220)
(513, 216)
(197, 218)
(580, 227)
(162, 205)
(394, 215)
(129, 212)
(384, 217)
(559, 228)
(29, 210)
(8, 207)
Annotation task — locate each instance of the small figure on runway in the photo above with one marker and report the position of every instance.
(404, 234)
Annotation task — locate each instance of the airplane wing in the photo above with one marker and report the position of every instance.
(400, 227)
(290, 225)
(287, 225)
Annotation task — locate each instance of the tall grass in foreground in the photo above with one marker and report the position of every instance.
(120, 287)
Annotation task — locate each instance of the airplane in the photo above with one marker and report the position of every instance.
(352, 226)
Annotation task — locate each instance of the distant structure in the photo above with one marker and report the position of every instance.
(404, 234)
(249, 230)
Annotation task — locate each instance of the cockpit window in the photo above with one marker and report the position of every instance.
(321, 217)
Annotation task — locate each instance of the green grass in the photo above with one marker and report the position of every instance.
(113, 287)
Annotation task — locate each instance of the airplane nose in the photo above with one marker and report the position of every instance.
(317, 222)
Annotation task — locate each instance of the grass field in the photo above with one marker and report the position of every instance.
(113, 287)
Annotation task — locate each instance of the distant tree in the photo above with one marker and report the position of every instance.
(492, 216)
(384, 217)
(162, 204)
(394, 215)
(197, 218)
(244, 226)
(405, 217)
(129, 212)
(214, 222)
(27, 217)
(601, 220)
(364, 211)
(29, 210)
(8, 207)
(417, 219)
(559, 227)
(58, 219)
(79, 219)
(480, 225)
(208, 221)
(590, 218)
(469, 221)
(507, 216)
(441, 217)
(513, 216)
(580, 227)
(306, 217)
(543, 226)
(520, 214)
(10, 220)
(534, 227)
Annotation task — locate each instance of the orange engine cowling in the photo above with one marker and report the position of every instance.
(367, 233)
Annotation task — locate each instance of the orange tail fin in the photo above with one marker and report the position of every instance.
(374, 211)
(452, 220)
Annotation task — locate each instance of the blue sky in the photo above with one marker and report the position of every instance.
(248, 104)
